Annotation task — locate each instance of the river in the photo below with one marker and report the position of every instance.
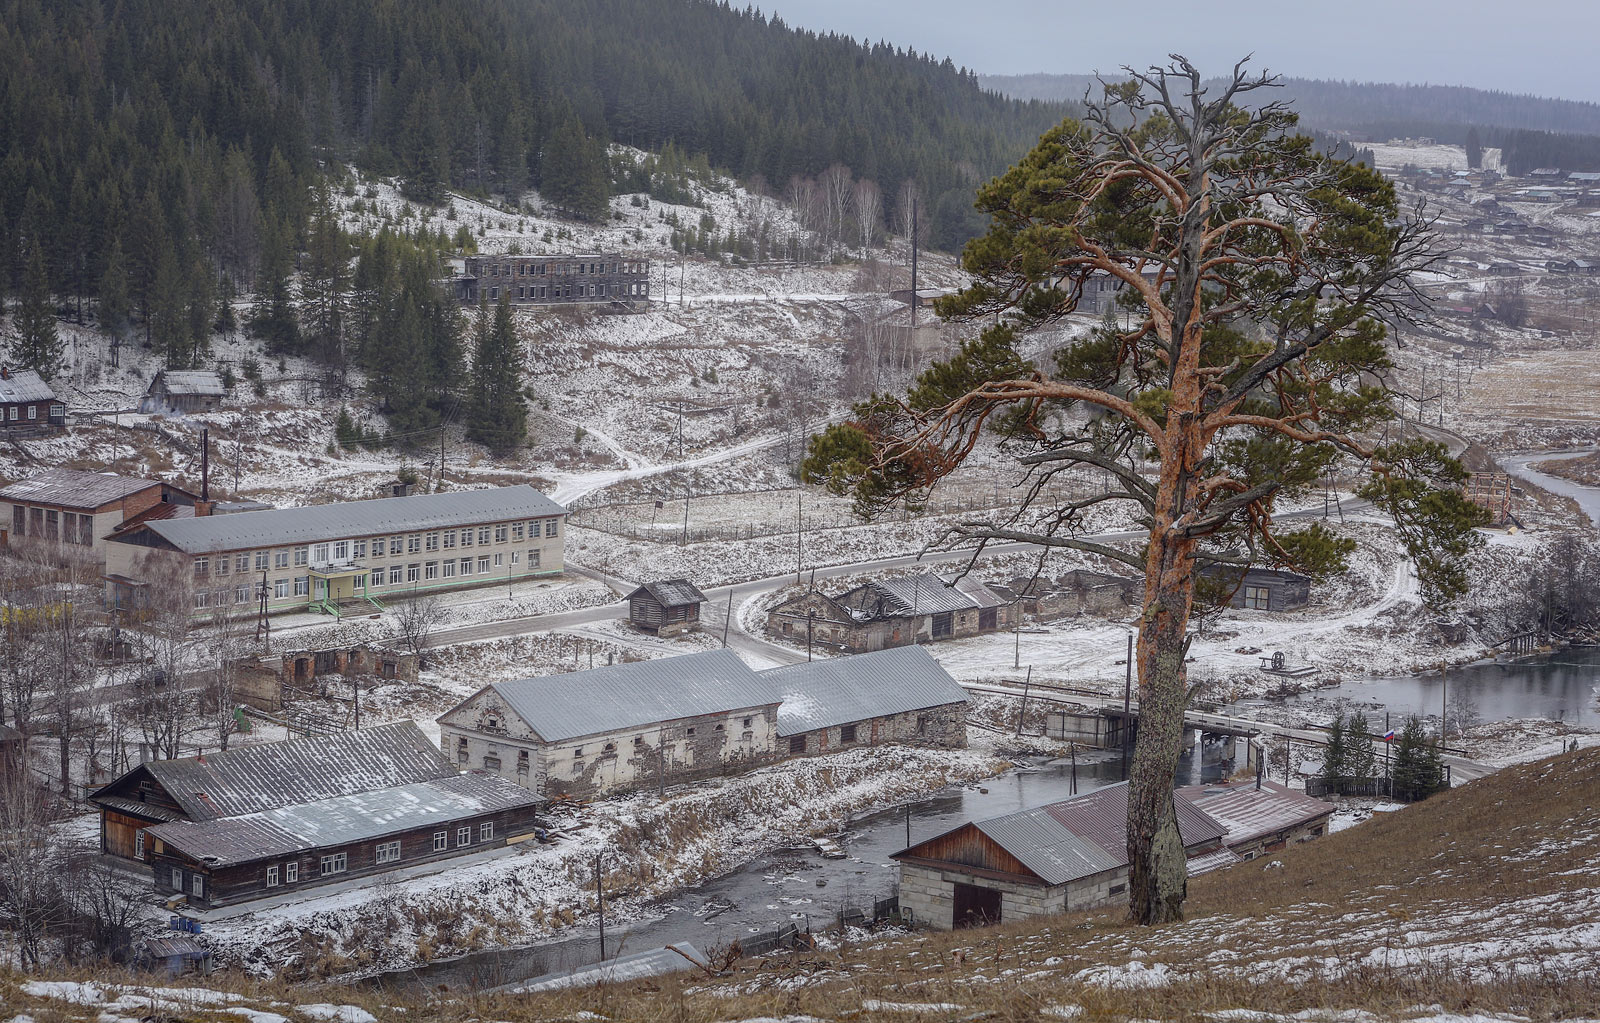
(797, 885)
(1588, 498)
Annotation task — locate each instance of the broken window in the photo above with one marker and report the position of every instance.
(847, 733)
(797, 744)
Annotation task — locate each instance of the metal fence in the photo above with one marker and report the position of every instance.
(1321, 787)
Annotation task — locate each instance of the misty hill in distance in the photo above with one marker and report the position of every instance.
(1375, 110)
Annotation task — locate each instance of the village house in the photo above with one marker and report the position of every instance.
(1260, 816)
(889, 696)
(1079, 591)
(559, 279)
(619, 727)
(27, 401)
(1101, 290)
(70, 506)
(264, 820)
(665, 608)
(334, 557)
(184, 391)
(1052, 859)
(885, 613)
(1261, 589)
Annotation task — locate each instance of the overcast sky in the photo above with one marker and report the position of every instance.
(1544, 47)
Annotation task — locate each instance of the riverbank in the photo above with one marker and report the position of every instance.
(649, 848)
(1583, 469)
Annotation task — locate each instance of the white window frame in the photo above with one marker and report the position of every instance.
(463, 836)
(449, 568)
(486, 831)
(301, 554)
(319, 553)
(197, 885)
(177, 879)
(272, 876)
(449, 539)
(396, 574)
(441, 841)
(280, 589)
(339, 861)
(291, 872)
(387, 852)
(341, 550)
(430, 570)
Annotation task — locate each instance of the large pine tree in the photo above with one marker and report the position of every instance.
(498, 418)
(37, 345)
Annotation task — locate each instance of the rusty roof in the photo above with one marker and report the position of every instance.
(250, 779)
(1249, 813)
(74, 488)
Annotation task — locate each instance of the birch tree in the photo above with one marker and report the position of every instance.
(869, 207)
(1258, 274)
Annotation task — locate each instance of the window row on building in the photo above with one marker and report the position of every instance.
(344, 552)
(559, 269)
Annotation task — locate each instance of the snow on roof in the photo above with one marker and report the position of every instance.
(653, 963)
(189, 381)
(353, 518)
(340, 820)
(671, 592)
(73, 488)
(843, 690)
(251, 779)
(1249, 813)
(927, 593)
(622, 696)
(24, 385)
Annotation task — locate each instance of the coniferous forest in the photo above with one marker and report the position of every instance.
(162, 157)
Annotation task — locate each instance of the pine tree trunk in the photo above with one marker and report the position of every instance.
(1157, 866)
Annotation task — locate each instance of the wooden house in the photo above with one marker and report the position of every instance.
(1261, 589)
(27, 401)
(1079, 591)
(892, 612)
(1052, 859)
(665, 608)
(265, 820)
(184, 391)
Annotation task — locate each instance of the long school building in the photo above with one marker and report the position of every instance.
(335, 556)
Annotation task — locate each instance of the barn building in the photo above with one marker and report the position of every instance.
(1261, 817)
(337, 557)
(885, 613)
(1058, 858)
(665, 608)
(619, 727)
(83, 508)
(27, 401)
(184, 391)
(888, 696)
(608, 277)
(266, 820)
(1076, 592)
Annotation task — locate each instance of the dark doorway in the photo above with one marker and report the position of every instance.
(944, 624)
(988, 618)
(975, 907)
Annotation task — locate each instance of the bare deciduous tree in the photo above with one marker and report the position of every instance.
(416, 619)
(30, 887)
(869, 207)
(837, 184)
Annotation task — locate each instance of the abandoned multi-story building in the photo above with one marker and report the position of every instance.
(330, 557)
(545, 280)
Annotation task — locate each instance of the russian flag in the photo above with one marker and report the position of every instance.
(1389, 735)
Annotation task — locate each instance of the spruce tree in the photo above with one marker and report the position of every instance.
(1418, 767)
(498, 418)
(37, 345)
(272, 317)
(325, 285)
(1334, 770)
(112, 307)
(1360, 758)
(1474, 148)
(573, 172)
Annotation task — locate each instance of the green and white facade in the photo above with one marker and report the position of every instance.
(337, 556)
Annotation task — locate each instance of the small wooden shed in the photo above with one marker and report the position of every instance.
(665, 608)
(187, 390)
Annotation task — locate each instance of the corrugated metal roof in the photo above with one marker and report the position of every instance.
(318, 522)
(190, 381)
(671, 592)
(175, 945)
(923, 593)
(1047, 848)
(841, 690)
(1248, 813)
(357, 817)
(622, 696)
(74, 488)
(669, 959)
(24, 385)
(1078, 837)
(255, 778)
(1216, 859)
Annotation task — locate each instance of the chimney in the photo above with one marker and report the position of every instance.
(205, 464)
(5, 372)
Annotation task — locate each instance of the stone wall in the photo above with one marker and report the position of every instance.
(944, 726)
(929, 893)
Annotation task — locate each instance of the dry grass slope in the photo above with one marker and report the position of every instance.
(1483, 900)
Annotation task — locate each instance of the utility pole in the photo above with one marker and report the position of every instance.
(440, 485)
(1127, 684)
(1016, 635)
(600, 902)
(1023, 710)
(1444, 703)
(263, 627)
(810, 614)
(913, 262)
(726, 622)
(798, 519)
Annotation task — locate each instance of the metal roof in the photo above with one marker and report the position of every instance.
(653, 963)
(1061, 842)
(189, 381)
(341, 820)
(1248, 813)
(255, 778)
(671, 592)
(564, 707)
(842, 690)
(24, 385)
(318, 522)
(74, 488)
(924, 593)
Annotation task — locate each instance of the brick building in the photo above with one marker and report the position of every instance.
(83, 508)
